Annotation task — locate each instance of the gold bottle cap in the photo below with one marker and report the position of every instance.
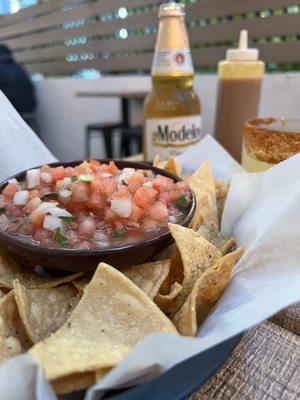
(171, 10)
(272, 140)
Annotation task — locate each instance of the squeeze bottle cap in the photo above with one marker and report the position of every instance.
(242, 53)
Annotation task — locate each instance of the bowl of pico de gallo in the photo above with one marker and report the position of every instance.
(71, 216)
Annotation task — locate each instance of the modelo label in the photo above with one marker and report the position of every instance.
(165, 136)
(166, 61)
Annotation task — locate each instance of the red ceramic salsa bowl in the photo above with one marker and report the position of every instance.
(87, 259)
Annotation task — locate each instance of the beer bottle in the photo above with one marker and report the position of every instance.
(172, 111)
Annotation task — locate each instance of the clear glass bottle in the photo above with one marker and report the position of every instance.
(172, 112)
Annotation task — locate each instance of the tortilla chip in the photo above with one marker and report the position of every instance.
(111, 317)
(11, 270)
(197, 255)
(203, 185)
(228, 246)
(100, 373)
(81, 282)
(205, 294)
(13, 338)
(197, 221)
(148, 277)
(210, 231)
(221, 195)
(171, 165)
(165, 301)
(44, 311)
(165, 253)
(73, 382)
(156, 161)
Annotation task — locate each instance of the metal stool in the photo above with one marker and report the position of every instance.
(130, 135)
(99, 130)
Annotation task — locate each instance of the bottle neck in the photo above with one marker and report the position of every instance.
(172, 33)
(172, 55)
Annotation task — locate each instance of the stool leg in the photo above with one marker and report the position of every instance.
(108, 142)
(87, 144)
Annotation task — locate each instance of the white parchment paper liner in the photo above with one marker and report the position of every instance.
(262, 211)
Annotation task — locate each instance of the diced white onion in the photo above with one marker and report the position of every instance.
(51, 223)
(121, 206)
(66, 183)
(46, 207)
(105, 175)
(172, 219)
(65, 194)
(60, 212)
(46, 177)
(21, 198)
(13, 181)
(33, 178)
(148, 184)
(125, 175)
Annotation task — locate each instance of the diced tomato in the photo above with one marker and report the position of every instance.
(133, 187)
(136, 213)
(112, 168)
(37, 219)
(149, 225)
(159, 212)
(83, 245)
(42, 235)
(162, 183)
(143, 196)
(10, 190)
(58, 173)
(96, 200)
(118, 225)
(33, 204)
(138, 177)
(103, 168)
(13, 210)
(69, 171)
(80, 192)
(79, 169)
(2, 201)
(170, 196)
(72, 236)
(87, 228)
(182, 186)
(122, 192)
(26, 228)
(109, 215)
(106, 186)
(94, 165)
(34, 193)
(75, 207)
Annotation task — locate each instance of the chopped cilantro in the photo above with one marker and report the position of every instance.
(49, 194)
(26, 215)
(59, 237)
(118, 232)
(74, 178)
(67, 219)
(124, 183)
(181, 201)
